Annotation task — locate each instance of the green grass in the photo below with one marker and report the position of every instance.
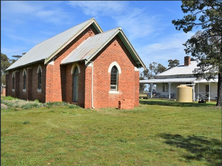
(158, 132)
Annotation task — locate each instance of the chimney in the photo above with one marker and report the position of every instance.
(186, 61)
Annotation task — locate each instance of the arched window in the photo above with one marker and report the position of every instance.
(13, 81)
(24, 79)
(114, 78)
(75, 84)
(39, 71)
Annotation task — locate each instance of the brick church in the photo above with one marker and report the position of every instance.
(82, 65)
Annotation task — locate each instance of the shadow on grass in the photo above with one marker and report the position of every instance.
(198, 147)
(175, 103)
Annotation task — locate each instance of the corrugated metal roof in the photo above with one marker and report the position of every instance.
(48, 48)
(168, 80)
(180, 70)
(178, 80)
(91, 46)
(87, 49)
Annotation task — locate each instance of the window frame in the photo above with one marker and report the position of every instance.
(116, 90)
(24, 80)
(39, 85)
(13, 81)
(114, 77)
(165, 87)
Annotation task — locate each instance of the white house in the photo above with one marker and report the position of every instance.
(167, 82)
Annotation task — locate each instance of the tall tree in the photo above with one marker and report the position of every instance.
(142, 86)
(160, 68)
(16, 57)
(4, 65)
(173, 63)
(206, 44)
(154, 69)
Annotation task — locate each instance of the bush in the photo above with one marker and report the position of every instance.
(8, 98)
(30, 105)
(73, 106)
(53, 104)
(26, 122)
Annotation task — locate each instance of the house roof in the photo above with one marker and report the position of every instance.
(47, 49)
(178, 80)
(91, 46)
(185, 74)
(180, 70)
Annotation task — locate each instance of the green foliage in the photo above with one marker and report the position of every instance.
(54, 104)
(73, 106)
(206, 44)
(173, 63)
(4, 65)
(154, 69)
(30, 106)
(7, 98)
(26, 122)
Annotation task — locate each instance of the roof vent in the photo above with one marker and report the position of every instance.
(186, 61)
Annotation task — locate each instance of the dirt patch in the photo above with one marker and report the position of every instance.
(3, 106)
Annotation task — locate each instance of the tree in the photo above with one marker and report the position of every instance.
(160, 68)
(206, 44)
(4, 65)
(173, 63)
(16, 58)
(154, 69)
(142, 86)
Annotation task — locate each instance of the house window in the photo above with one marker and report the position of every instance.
(39, 71)
(24, 79)
(13, 81)
(114, 78)
(165, 87)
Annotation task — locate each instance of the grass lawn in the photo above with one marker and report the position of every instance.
(158, 132)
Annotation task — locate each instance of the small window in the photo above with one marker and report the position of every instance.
(39, 71)
(24, 80)
(13, 81)
(40, 80)
(165, 87)
(114, 79)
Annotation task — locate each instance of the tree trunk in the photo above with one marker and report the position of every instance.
(219, 90)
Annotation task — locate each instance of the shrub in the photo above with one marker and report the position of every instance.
(26, 122)
(73, 106)
(30, 105)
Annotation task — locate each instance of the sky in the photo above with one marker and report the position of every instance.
(147, 25)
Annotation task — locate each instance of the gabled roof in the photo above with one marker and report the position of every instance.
(47, 49)
(180, 70)
(91, 46)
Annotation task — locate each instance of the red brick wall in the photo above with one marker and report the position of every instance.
(31, 83)
(67, 83)
(128, 85)
(137, 88)
(53, 74)
(88, 87)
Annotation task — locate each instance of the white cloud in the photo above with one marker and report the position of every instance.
(17, 7)
(94, 8)
(27, 10)
(135, 21)
(169, 47)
